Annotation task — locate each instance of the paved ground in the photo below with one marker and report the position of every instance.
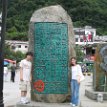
(12, 95)
(11, 91)
(86, 102)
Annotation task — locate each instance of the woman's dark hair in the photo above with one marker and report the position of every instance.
(29, 53)
(71, 59)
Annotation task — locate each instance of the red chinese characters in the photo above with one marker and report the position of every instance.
(39, 85)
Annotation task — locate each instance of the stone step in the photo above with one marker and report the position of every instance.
(41, 104)
(93, 94)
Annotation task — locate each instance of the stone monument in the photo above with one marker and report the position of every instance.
(51, 39)
(100, 75)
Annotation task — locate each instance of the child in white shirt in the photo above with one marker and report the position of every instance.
(25, 76)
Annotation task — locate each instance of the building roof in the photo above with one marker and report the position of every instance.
(16, 42)
(101, 38)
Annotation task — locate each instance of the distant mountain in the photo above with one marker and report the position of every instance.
(82, 12)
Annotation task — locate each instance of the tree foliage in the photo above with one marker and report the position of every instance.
(9, 54)
(82, 12)
(79, 53)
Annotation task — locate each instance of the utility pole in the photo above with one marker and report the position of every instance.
(2, 43)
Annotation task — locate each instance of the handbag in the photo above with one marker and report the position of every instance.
(81, 76)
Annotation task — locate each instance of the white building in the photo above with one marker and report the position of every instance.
(100, 39)
(18, 45)
(84, 35)
(86, 38)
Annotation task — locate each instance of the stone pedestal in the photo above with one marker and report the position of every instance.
(93, 94)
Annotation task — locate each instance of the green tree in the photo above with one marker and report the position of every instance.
(82, 12)
(9, 54)
(79, 53)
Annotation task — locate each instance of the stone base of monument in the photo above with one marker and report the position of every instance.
(93, 94)
(41, 104)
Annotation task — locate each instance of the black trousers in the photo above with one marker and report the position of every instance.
(13, 76)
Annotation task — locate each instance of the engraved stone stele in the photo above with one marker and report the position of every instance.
(100, 74)
(51, 39)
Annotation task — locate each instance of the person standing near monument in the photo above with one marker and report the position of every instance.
(25, 76)
(77, 77)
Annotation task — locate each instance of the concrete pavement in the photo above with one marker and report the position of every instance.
(86, 102)
(12, 95)
(11, 91)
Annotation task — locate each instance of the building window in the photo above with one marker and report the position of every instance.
(81, 40)
(26, 46)
(19, 46)
(76, 39)
(13, 47)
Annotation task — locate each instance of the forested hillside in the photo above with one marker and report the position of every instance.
(82, 12)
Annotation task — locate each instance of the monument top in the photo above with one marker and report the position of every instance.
(50, 14)
(54, 13)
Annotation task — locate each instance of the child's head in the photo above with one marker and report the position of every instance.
(29, 55)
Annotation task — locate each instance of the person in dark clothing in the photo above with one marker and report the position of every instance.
(13, 68)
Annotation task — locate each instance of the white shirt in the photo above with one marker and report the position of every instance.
(26, 67)
(76, 71)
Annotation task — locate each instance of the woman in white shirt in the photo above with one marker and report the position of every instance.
(77, 77)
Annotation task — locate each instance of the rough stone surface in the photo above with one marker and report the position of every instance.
(100, 77)
(52, 14)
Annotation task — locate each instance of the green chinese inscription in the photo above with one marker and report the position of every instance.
(51, 57)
